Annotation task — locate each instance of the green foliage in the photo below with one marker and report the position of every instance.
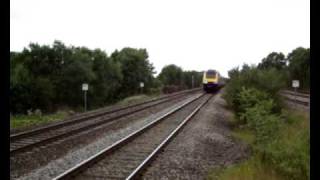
(171, 75)
(282, 140)
(273, 60)
(135, 68)
(23, 121)
(264, 124)
(269, 81)
(48, 77)
(252, 169)
(299, 66)
(255, 109)
(289, 152)
(187, 79)
(174, 78)
(247, 98)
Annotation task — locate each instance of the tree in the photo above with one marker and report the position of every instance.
(107, 80)
(299, 66)
(187, 78)
(171, 75)
(135, 68)
(273, 60)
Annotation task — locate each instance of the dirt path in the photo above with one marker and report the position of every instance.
(203, 144)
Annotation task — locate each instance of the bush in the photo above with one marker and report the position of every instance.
(154, 91)
(284, 145)
(289, 152)
(247, 98)
(266, 83)
(260, 119)
(281, 139)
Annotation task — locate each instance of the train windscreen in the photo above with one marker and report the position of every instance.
(211, 74)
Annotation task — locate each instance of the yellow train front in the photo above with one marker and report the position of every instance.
(211, 80)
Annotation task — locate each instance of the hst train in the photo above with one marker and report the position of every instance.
(212, 80)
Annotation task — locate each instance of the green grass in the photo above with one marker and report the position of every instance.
(22, 121)
(136, 99)
(252, 169)
(244, 134)
(286, 157)
(290, 152)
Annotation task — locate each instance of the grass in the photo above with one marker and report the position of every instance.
(252, 169)
(286, 157)
(135, 99)
(243, 134)
(23, 121)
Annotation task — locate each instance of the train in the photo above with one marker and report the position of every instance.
(212, 80)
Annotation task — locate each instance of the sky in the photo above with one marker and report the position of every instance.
(193, 34)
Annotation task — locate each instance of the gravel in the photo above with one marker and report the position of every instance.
(203, 144)
(122, 162)
(85, 150)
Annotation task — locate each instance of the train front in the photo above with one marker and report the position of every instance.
(210, 80)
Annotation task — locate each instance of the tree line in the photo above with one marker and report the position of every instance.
(50, 77)
(294, 66)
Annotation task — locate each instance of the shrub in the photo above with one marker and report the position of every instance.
(247, 98)
(283, 144)
(260, 119)
(154, 91)
(289, 153)
(268, 80)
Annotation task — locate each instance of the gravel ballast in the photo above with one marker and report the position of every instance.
(203, 144)
(85, 150)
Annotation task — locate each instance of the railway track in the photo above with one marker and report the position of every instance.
(23, 141)
(128, 157)
(305, 95)
(304, 103)
(297, 98)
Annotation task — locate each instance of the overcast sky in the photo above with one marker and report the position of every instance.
(193, 34)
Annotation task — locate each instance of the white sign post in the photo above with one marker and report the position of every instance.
(141, 86)
(85, 88)
(192, 81)
(295, 85)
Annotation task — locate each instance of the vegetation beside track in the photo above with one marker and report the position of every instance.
(136, 99)
(23, 121)
(279, 137)
(285, 157)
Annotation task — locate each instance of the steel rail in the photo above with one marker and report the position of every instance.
(84, 118)
(305, 103)
(165, 142)
(299, 91)
(81, 129)
(296, 94)
(100, 155)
